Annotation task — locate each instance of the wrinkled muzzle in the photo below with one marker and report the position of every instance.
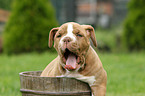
(71, 57)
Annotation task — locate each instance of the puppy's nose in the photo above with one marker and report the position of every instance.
(67, 40)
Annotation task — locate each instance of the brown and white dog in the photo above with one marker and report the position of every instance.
(76, 58)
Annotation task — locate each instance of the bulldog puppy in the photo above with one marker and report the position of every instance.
(76, 58)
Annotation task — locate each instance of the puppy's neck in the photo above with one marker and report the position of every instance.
(90, 53)
(91, 57)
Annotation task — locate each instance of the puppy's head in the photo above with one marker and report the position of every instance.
(71, 41)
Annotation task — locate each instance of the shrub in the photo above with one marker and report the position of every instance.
(134, 27)
(105, 40)
(6, 4)
(28, 26)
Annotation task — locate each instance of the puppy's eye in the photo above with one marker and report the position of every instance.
(58, 36)
(79, 35)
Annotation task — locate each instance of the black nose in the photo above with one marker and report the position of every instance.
(67, 40)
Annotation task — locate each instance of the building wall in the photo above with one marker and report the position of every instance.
(120, 11)
(94, 12)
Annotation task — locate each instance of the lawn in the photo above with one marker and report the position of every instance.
(125, 72)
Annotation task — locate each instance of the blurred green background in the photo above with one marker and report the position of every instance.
(120, 33)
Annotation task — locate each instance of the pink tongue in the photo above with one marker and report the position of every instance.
(71, 61)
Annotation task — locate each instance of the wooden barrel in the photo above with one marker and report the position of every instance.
(34, 85)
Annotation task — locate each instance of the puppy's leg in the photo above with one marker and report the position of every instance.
(98, 90)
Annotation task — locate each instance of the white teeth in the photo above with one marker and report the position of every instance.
(64, 60)
(78, 59)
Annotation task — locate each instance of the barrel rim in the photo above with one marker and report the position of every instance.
(23, 73)
(26, 75)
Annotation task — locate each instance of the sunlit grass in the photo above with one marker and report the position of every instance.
(125, 72)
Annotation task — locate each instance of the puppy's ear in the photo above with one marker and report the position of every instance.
(91, 33)
(51, 35)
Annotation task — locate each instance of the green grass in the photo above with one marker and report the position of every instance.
(125, 72)
(11, 66)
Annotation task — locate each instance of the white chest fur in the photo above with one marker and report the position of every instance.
(88, 79)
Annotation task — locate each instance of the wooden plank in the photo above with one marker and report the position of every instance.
(34, 85)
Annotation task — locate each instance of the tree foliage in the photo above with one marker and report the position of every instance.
(5, 4)
(134, 27)
(28, 26)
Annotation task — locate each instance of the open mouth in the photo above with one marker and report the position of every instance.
(70, 59)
